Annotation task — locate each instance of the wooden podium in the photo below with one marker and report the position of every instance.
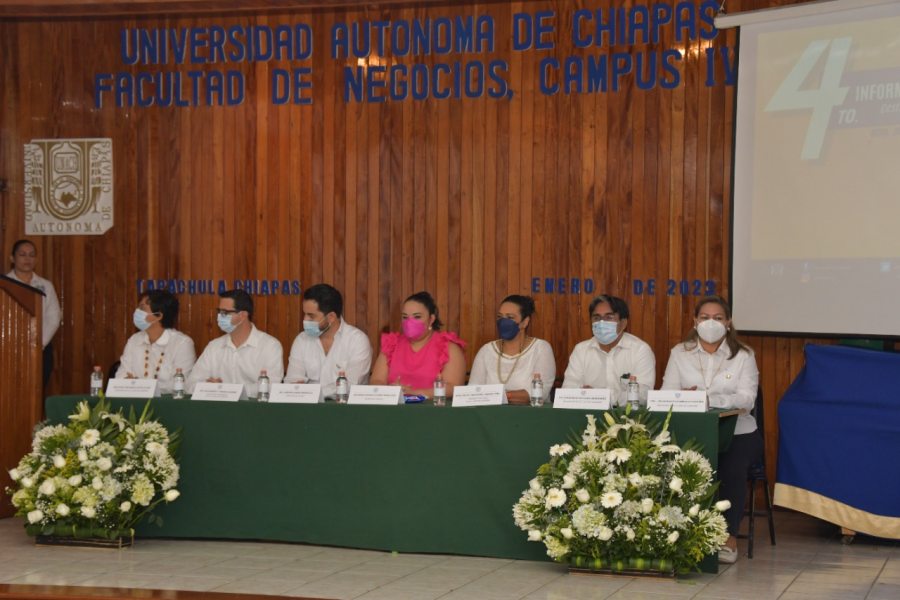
(21, 406)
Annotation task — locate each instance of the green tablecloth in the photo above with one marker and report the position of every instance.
(412, 478)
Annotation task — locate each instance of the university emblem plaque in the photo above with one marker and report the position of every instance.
(68, 187)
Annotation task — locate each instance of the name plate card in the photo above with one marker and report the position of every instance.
(677, 400)
(296, 393)
(131, 388)
(378, 395)
(584, 399)
(479, 395)
(220, 392)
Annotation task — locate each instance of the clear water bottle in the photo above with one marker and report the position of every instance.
(342, 388)
(633, 396)
(96, 381)
(440, 391)
(178, 385)
(536, 396)
(262, 387)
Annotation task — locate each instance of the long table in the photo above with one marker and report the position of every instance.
(413, 478)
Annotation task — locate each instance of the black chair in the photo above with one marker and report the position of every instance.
(756, 474)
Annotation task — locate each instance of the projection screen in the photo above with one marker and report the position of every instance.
(816, 238)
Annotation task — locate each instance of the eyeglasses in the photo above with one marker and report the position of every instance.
(608, 317)
(224, 312)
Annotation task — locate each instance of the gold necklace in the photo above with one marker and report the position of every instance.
(524, 349)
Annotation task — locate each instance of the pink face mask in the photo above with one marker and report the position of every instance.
(413, 328)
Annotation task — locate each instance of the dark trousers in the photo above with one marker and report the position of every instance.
(745, 450)
(48, 362)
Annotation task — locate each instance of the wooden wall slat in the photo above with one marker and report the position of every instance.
(468, 198)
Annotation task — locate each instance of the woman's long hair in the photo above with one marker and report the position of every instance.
(734, 344)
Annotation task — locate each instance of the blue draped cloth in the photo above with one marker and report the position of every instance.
(839, 439)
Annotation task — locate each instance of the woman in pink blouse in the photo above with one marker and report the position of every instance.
(414, 357)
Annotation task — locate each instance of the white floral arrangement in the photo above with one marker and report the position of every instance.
(97, 476)
(626, 497)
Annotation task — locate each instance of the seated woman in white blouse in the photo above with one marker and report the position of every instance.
(158, 349)
(712, 358)
(514, 358)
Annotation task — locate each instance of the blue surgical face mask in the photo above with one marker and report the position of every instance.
(606, 332)
(225, 324)
(313, 328)
(139, 318)
(507, 329)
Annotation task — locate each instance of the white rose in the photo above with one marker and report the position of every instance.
(58, 461)
(555, 498)
(605, 534)
(568, 481)
(635, 479)
(583, 496)
(676, 484)
(534, 535)
(125, 506)
(14, 474)
(87, 511)
(35, 516)
(535, 485)
(629, 533)
(673, 537)
(75, 480)
(646, 505)
(723, 505)
(172, 495)
(48, 488)
(62, 509)
(97, 483)
(90, 437)
(104, 464)
(611, 499)
(694, 510)
(567, 533)
(27, 482)
(82, 455)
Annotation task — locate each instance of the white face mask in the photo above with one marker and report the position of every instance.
(711, 331)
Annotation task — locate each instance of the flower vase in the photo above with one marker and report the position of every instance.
(642, 567)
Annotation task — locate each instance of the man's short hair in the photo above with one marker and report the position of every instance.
(618, 306)
(327, 297)
(242, 301)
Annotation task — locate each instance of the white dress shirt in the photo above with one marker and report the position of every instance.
(590, 365)
(516, 370)
(728, 383)
(350, 352)
(221, 359)
(172, 350)
(51, 314)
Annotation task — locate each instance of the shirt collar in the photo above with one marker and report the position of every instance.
(160, 341)
(252, 340)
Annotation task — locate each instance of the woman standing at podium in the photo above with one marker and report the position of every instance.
(712, 358)
(24, 258)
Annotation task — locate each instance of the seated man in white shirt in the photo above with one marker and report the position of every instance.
(242, 353)
(328, 344)
(611, 355)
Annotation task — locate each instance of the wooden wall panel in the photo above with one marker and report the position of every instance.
(468, 198)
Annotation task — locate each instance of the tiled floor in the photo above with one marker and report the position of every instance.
(809, 563)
